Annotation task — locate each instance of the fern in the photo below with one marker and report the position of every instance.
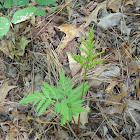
(87, 63)
(89, 50)
(66, 100)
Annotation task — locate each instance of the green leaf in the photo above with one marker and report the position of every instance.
(28, 99)
(45, 2)
(40, 104)
(95, 62)
(64, 109)
(63, 79)
(76, 107)
(8, 3)
(63, 120)
(36, 101)
(1, 1)
(57, 107)
(26, 13)
(0, 6)
(4, 26)
(45, 91)
(38, 94)
(66, 88)
(51, 90)
(21, 2)
(83, 50)
(44, 107)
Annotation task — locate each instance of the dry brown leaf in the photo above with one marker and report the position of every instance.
(95, 79)
(117, 98)
(115, 5)
(117, 108)
(4, 89)
(12, 133)
(6, 47)
(93, 15)
(74, 65)
(111, 86)
(71, 32)
(129, 2)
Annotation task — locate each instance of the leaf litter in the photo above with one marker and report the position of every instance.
(113, 98)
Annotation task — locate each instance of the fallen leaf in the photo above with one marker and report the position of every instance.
(6, 47)
(61, 134)
(93, 15)
(74, 65)
(4, 89)
(135, 104)
(12, 133)
(111, 86)
(71, 32)
(21, 46)
(113, 72)
(110, 20)
(94, 79)
(115, 5)
(117, 99)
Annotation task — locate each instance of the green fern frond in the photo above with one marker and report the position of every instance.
(51, 90)
(62, 97)
(43, 108)
(90, 48)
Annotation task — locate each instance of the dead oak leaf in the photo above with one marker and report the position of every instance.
(71, 32)
(4, 89)
(117, 99)
(94, 13)
(115, 5)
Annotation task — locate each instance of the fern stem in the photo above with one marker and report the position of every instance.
(84, 79)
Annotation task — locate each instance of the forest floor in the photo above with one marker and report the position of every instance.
(114, 96)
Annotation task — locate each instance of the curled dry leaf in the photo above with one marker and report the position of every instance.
(74, 65)
(71, 32)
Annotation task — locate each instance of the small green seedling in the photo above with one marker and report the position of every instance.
(90, 48)
(89, 61)
(66, 100)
